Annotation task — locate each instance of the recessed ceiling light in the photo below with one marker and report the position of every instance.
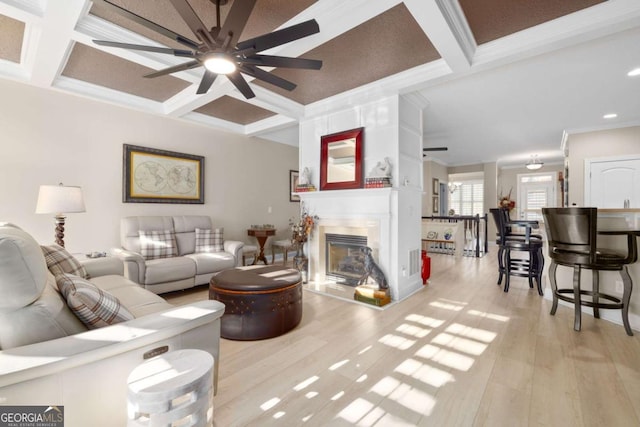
(635, 72)
(610, 116)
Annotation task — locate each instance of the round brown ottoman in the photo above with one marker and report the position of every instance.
(260, 301)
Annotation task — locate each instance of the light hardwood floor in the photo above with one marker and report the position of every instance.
(458, 353)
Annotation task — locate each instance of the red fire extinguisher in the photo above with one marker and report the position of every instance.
(426, 267)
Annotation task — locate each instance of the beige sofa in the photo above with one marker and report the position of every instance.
(49, 357)
(183, 271)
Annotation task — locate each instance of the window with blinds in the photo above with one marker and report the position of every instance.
(468, 199)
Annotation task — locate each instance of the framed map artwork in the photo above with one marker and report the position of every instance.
(158, 176)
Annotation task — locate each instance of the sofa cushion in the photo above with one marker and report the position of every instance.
(208, 240)
(168, 270)
(23, 271)
(59, 261)
(138, 300)
(156, 244)
(212, 262)
(93, 306)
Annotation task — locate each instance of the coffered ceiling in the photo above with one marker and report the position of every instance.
(499, 79)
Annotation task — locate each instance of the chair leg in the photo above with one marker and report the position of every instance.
(532, 268)
(595, 290)
(626, 297)
(577, 301)
(540, 258)
(273, 254)
(500, 264)
(554, 286)
(539, 267)
(507, 269)
(285, 255)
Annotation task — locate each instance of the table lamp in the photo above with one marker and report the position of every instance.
(59, 200)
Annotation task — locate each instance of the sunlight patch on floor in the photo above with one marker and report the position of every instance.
(469, 332)
(424, 320)
(412, 330)
(446, 306)
(356, 410)
(395, 341)
(425, 373)
(269, 404)
(445, 357)
(338, 365)
(306, 383)
(491, 316)
(461, 344)
(364, 350)
(405, 395)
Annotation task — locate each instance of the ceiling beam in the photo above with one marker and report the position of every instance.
(445, 25)
(47, 48)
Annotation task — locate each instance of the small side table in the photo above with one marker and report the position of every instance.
(170, 388)
(261, 234)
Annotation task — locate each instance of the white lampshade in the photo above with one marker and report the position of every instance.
(60, 199)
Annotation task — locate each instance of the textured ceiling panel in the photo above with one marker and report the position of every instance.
(11, 33)
(96, 67)
(492, 19)
(234, 110)
(385, 45)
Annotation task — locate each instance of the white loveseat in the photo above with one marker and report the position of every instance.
(186, 270)
(48, 357)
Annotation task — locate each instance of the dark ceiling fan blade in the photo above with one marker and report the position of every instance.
(268, 77)
(176, 52)
(283, 62)
(187, 14)
(280, 37)
(236, 20)
(435, 149)
(207, 80)
(174, 69)
(150, 25)
(241, 84)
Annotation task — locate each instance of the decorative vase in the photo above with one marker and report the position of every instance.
(426, 267)
(301, 262)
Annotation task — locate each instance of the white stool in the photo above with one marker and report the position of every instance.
(175, 388)
(249, 250)
(284, 246)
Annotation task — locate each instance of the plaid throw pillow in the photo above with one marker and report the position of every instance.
(158, 244)
(59, 261)
(93, 306)
(204, 240)
(218, 240)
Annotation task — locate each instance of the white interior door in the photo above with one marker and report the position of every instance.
(609, 182)
(535, 191)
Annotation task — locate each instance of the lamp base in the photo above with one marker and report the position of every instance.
(60, 229)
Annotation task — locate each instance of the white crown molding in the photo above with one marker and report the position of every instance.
(23, 10)
(213, 122)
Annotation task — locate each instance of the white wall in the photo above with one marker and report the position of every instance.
(49, 137)
(592, 145)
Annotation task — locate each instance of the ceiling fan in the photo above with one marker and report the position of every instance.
(433, 149)
(218, 49)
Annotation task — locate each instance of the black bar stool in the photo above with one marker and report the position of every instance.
(508, 241)
(572, 235)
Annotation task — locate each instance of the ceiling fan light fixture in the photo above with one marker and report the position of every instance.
(220, 64)
(534, 164)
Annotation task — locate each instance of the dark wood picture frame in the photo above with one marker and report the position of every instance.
(150, 175)
(435, 208)
(293, 183)
(325, 141)
(436, 186)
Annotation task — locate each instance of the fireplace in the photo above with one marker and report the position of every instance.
(344, 261)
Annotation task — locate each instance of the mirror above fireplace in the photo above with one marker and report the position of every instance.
(341, 160)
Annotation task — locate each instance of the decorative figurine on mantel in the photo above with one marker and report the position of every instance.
(379, 176)
(304, 181)
(377, 295)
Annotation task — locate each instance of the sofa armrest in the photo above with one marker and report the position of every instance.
(103, 266)
(93, 366)
(134, 264)
(234, 247)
